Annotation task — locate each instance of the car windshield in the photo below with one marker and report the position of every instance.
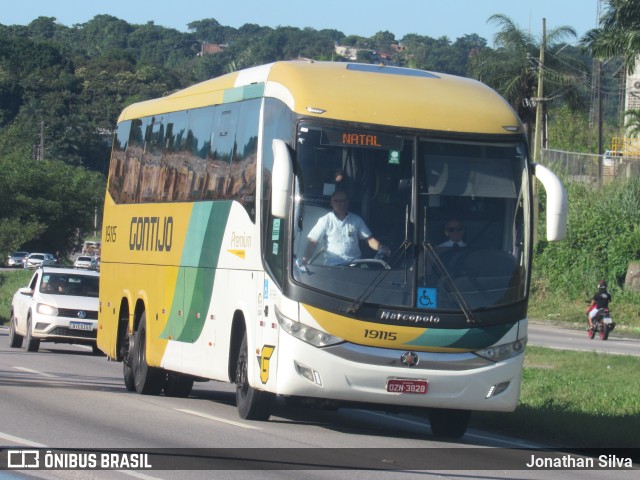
(70, 284)
(37, 257)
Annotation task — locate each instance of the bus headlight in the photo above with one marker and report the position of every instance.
(45, 309)
(307, 334)
(503, 352)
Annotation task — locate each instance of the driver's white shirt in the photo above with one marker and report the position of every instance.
(342, 237)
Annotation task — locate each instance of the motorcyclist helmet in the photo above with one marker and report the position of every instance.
(602, 285)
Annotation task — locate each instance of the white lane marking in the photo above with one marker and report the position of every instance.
(37, 372)
(508, 442)
(218, 419)
(21, 441)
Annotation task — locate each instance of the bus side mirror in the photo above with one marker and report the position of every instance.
(281, 179)
(556, 207)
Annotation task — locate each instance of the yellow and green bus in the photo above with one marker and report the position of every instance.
(212, 197)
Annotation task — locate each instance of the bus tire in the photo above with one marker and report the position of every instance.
(127, 362)
(147, 380)
(15, 339)
(449, 423)
(252, 404)
(178, 385)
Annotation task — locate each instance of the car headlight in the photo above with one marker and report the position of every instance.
(307, 334)
(503, 352)
(46, 309)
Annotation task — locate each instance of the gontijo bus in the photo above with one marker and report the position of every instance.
(213, 190)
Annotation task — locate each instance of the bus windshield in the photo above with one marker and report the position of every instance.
(413, 196)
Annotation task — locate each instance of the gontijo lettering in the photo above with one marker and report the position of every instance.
(153, 234)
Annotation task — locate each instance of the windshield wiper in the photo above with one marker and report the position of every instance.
(393, 259)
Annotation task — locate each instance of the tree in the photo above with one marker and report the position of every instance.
(512, 67)
(632, 123)
(618, 33)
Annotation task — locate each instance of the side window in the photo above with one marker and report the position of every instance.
(147, 185)
(172, 172)
(207, 153)
(118, 159)
(222, 149)
(278, 123)
(242, 184)
(34, 281)
(197, 147)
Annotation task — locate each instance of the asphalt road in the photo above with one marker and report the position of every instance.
(546, 335)
(64, 397)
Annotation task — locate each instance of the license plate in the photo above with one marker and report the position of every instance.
(401, 385)
(80, 326)
(607, 320)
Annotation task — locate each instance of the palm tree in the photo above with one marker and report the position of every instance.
(632, 123)
(618, 34)
(511, 68)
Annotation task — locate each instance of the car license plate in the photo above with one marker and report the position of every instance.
(402, 385)
(80, 326)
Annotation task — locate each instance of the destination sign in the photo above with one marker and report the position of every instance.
(354, 138)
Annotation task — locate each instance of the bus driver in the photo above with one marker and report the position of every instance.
(342, 231)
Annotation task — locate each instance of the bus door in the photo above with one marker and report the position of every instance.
(266, 332)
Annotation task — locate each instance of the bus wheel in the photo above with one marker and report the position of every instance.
(252, 404)
(178, 385)
(15, 339)
(127, 362)
(147, 380)
(448, 423)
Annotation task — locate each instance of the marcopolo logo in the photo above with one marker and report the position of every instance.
(411, 317)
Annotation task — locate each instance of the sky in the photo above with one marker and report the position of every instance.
(432, 18)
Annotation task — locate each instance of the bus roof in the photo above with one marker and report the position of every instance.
(374, 94)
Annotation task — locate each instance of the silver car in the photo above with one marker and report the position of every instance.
(35, 260)
(17, 259)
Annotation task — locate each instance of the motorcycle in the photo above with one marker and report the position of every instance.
(602, 324)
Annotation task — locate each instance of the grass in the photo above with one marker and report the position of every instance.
(569, 399)
(9, 283)
(625, 310)
(574, 399)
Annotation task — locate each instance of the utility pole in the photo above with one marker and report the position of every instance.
(537, 140)
(600, 142)
(537, 136)
(41, 156)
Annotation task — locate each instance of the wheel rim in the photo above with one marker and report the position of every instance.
(242, 386)
(140, 357)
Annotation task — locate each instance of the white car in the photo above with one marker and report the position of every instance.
(35, 260)
(60, 305)
(84, 261)
(609, 158)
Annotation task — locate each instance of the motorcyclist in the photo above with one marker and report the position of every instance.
(600, 300)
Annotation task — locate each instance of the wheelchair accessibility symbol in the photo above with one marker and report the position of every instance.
(427, 298)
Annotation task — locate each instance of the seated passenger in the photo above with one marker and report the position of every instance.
(454, 231)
